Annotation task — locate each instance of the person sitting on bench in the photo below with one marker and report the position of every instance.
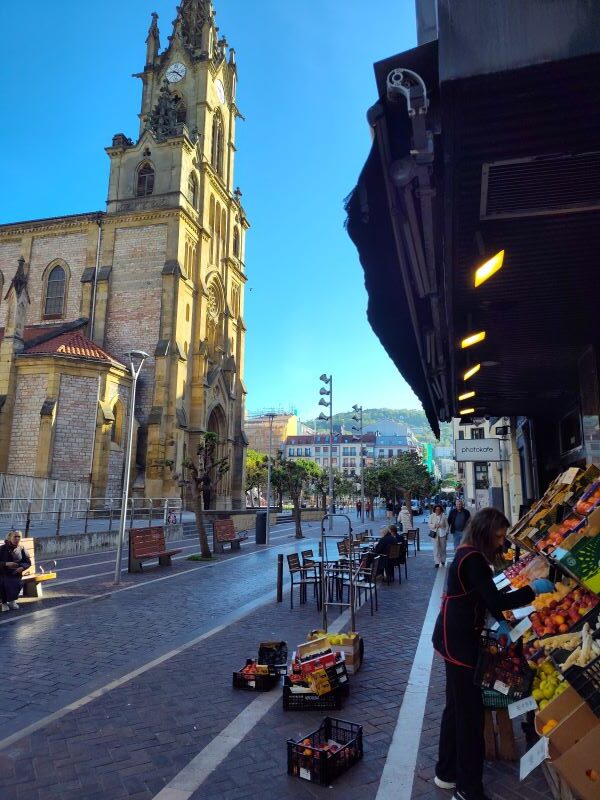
(13, 563)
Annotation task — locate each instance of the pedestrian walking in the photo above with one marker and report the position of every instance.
(405, 518)
(358, 508)
(13, 563)
(458, 519)
(368, 509)
(389, 509)
(470, 593)
(438, 530)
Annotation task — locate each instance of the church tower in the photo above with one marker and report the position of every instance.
(172, 277)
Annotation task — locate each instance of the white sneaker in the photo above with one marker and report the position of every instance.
(4, 607)
(443, 784)
(13, 605)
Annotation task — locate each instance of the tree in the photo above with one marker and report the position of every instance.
(205, 477)
(371, 483)
(320, 485)
(297, 475)
(256, 473)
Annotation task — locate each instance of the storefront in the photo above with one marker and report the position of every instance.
(477, 221)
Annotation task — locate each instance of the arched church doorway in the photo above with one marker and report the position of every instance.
(217, 490)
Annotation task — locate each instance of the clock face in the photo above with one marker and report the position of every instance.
(176, 72)
(220, 91)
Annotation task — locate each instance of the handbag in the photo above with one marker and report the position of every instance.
(433, 534)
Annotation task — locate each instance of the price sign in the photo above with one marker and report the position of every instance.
(522, 707)
(533, 758)
(503, 584)
(501, 687)
(521, 613)
(305, 773)
(520, 629)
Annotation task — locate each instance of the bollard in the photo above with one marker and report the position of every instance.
(418, 540)
(58, 516)
(280, 578)
(87, 512)
(110, 517)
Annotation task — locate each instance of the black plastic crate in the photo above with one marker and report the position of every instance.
(505, 671)
(308, 701)
(308, 760)
(275, 654)
(256, 683)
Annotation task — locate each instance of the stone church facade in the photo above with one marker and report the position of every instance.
(162, 270)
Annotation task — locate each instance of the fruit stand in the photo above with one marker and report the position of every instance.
(558, 636)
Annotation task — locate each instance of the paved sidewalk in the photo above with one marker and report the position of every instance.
(134, 738)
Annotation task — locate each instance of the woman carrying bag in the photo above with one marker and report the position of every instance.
(471, 593)
(438, 530)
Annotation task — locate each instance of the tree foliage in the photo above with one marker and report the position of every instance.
(256, 472)
(295, 476)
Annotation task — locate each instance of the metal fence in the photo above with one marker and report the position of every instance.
(27, 502)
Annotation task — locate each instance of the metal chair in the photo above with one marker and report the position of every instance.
(367, 582)
(412, 537)
(396, 558)
(300, 578)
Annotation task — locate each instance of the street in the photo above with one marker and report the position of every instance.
(112, 693)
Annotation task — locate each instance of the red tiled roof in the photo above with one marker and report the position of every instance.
(73, 344)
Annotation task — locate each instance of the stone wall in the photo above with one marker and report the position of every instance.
(30, 395)
(9, 257)
(74, 428)
(135, 299)
(71, 249)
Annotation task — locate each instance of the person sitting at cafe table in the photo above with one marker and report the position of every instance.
(389, 537)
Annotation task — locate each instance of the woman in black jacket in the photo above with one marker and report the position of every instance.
(470, 592)
(14, 561)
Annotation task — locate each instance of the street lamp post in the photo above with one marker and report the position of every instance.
(270, 417)
(358, 417)
(328, 381)
(134, 355)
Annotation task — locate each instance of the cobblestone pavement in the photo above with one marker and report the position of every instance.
(135, 738)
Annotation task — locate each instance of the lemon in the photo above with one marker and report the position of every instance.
(537, 695)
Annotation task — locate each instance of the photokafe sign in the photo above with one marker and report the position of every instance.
(477, 450)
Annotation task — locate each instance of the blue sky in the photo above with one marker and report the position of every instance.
(305, 83)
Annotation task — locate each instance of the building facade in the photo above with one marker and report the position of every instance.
(342, 454)
(257, 431)
(162, 270)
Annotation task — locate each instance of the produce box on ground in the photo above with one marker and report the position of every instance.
(322, 681)
(323, 755)
(501, 667)
(256, 677)
(350, 644)
(300, 697)
(275, 654)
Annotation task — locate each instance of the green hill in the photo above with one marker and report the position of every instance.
(413, 417)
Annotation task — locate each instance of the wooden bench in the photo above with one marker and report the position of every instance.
(148, 543)
(224, 533)
(34, 578)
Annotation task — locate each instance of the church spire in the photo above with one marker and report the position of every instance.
(153, 40)
(194, 26)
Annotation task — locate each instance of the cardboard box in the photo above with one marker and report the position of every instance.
(559, 709)
(579, 553)
(579, 765)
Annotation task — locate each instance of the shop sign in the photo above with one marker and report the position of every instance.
(477, 450)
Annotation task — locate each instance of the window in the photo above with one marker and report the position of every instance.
(334, 462)
(218, 135)
(481, 476)
(55, 292)
(318, 460)
(317, 449)
(334, 449)
(477, 433)
(291, 451)
(236, 242)
(353, 451)
(345, 451)
(116, 432)
(307, 451)
(390, 453)
(353, 462)
(145, 180)
(223, 230)
(211, 225)
(325, 462)
(180, 108)
(193, 190)
(299, 451)
(382, 452)
(461, 434)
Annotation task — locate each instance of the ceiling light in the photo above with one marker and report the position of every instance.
(466, 396)
(464, 411)
(472, 339)
(488, 269)
(471, 371)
